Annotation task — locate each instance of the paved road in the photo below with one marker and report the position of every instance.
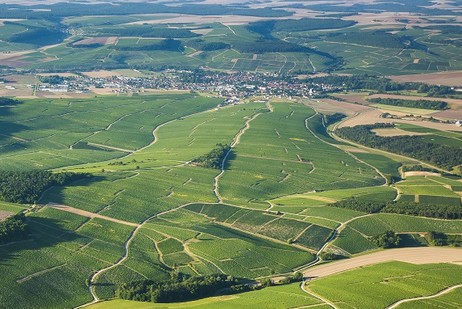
(421, 255)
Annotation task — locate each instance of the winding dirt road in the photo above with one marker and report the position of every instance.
(421, 255)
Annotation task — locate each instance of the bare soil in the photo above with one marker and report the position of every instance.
(443, 78)
(90, 214)
(421, 255)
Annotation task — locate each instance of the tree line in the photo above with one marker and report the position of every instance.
(443, 156)
(425, 104)
(441, 239)
(26, 187)
(4, 101)
(381, 84)
(437, 210)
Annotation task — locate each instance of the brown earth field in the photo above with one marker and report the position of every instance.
(373, 115)
(422, 255)
(442, 78)
(103, 40)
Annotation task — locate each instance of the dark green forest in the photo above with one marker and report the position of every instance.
(416, 147)
(26, 187)
(13, 229)
(179, 289)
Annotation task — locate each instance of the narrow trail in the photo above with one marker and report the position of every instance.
(445, 291)
(235, 142)
(109, 147)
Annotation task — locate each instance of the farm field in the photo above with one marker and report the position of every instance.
(202, 154)
(393, 281)
(272, 298)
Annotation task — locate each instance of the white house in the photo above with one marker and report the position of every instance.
(459, 123)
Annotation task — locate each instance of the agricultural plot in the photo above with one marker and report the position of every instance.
(274, 165)
(352, 241)
(314, 206)
(452, 299)
(430, 190)
(43, 133)
(289, 296)
(379, 223)
(384, 284)
(277, 156)
(63, 251)
(284, 229)
(199, 247)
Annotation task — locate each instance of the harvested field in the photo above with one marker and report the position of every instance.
(449, 114)
(443, 78)
(58, 74)
(202, 31)
(5, 214)
(196, 19)
(420, 173)
(369, 116)
(344, 106)
(395, 132)
(101, 74)
(354, 98)
(103, 40)
(373, 115)
(408, 255)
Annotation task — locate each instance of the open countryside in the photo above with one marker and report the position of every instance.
(210, 155)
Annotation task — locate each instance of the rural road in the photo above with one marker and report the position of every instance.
(89, 214)
(421, 255)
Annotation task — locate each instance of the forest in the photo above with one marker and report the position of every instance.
(380, 84)
(13, 229)
(179, 289)
(416, 147)
(26, 187)
(439, 210)
(424, 104)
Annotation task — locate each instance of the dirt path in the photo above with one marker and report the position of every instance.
(235, 142)
(421, 255)
(109, 147)
(89, 214)
(445, 291)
